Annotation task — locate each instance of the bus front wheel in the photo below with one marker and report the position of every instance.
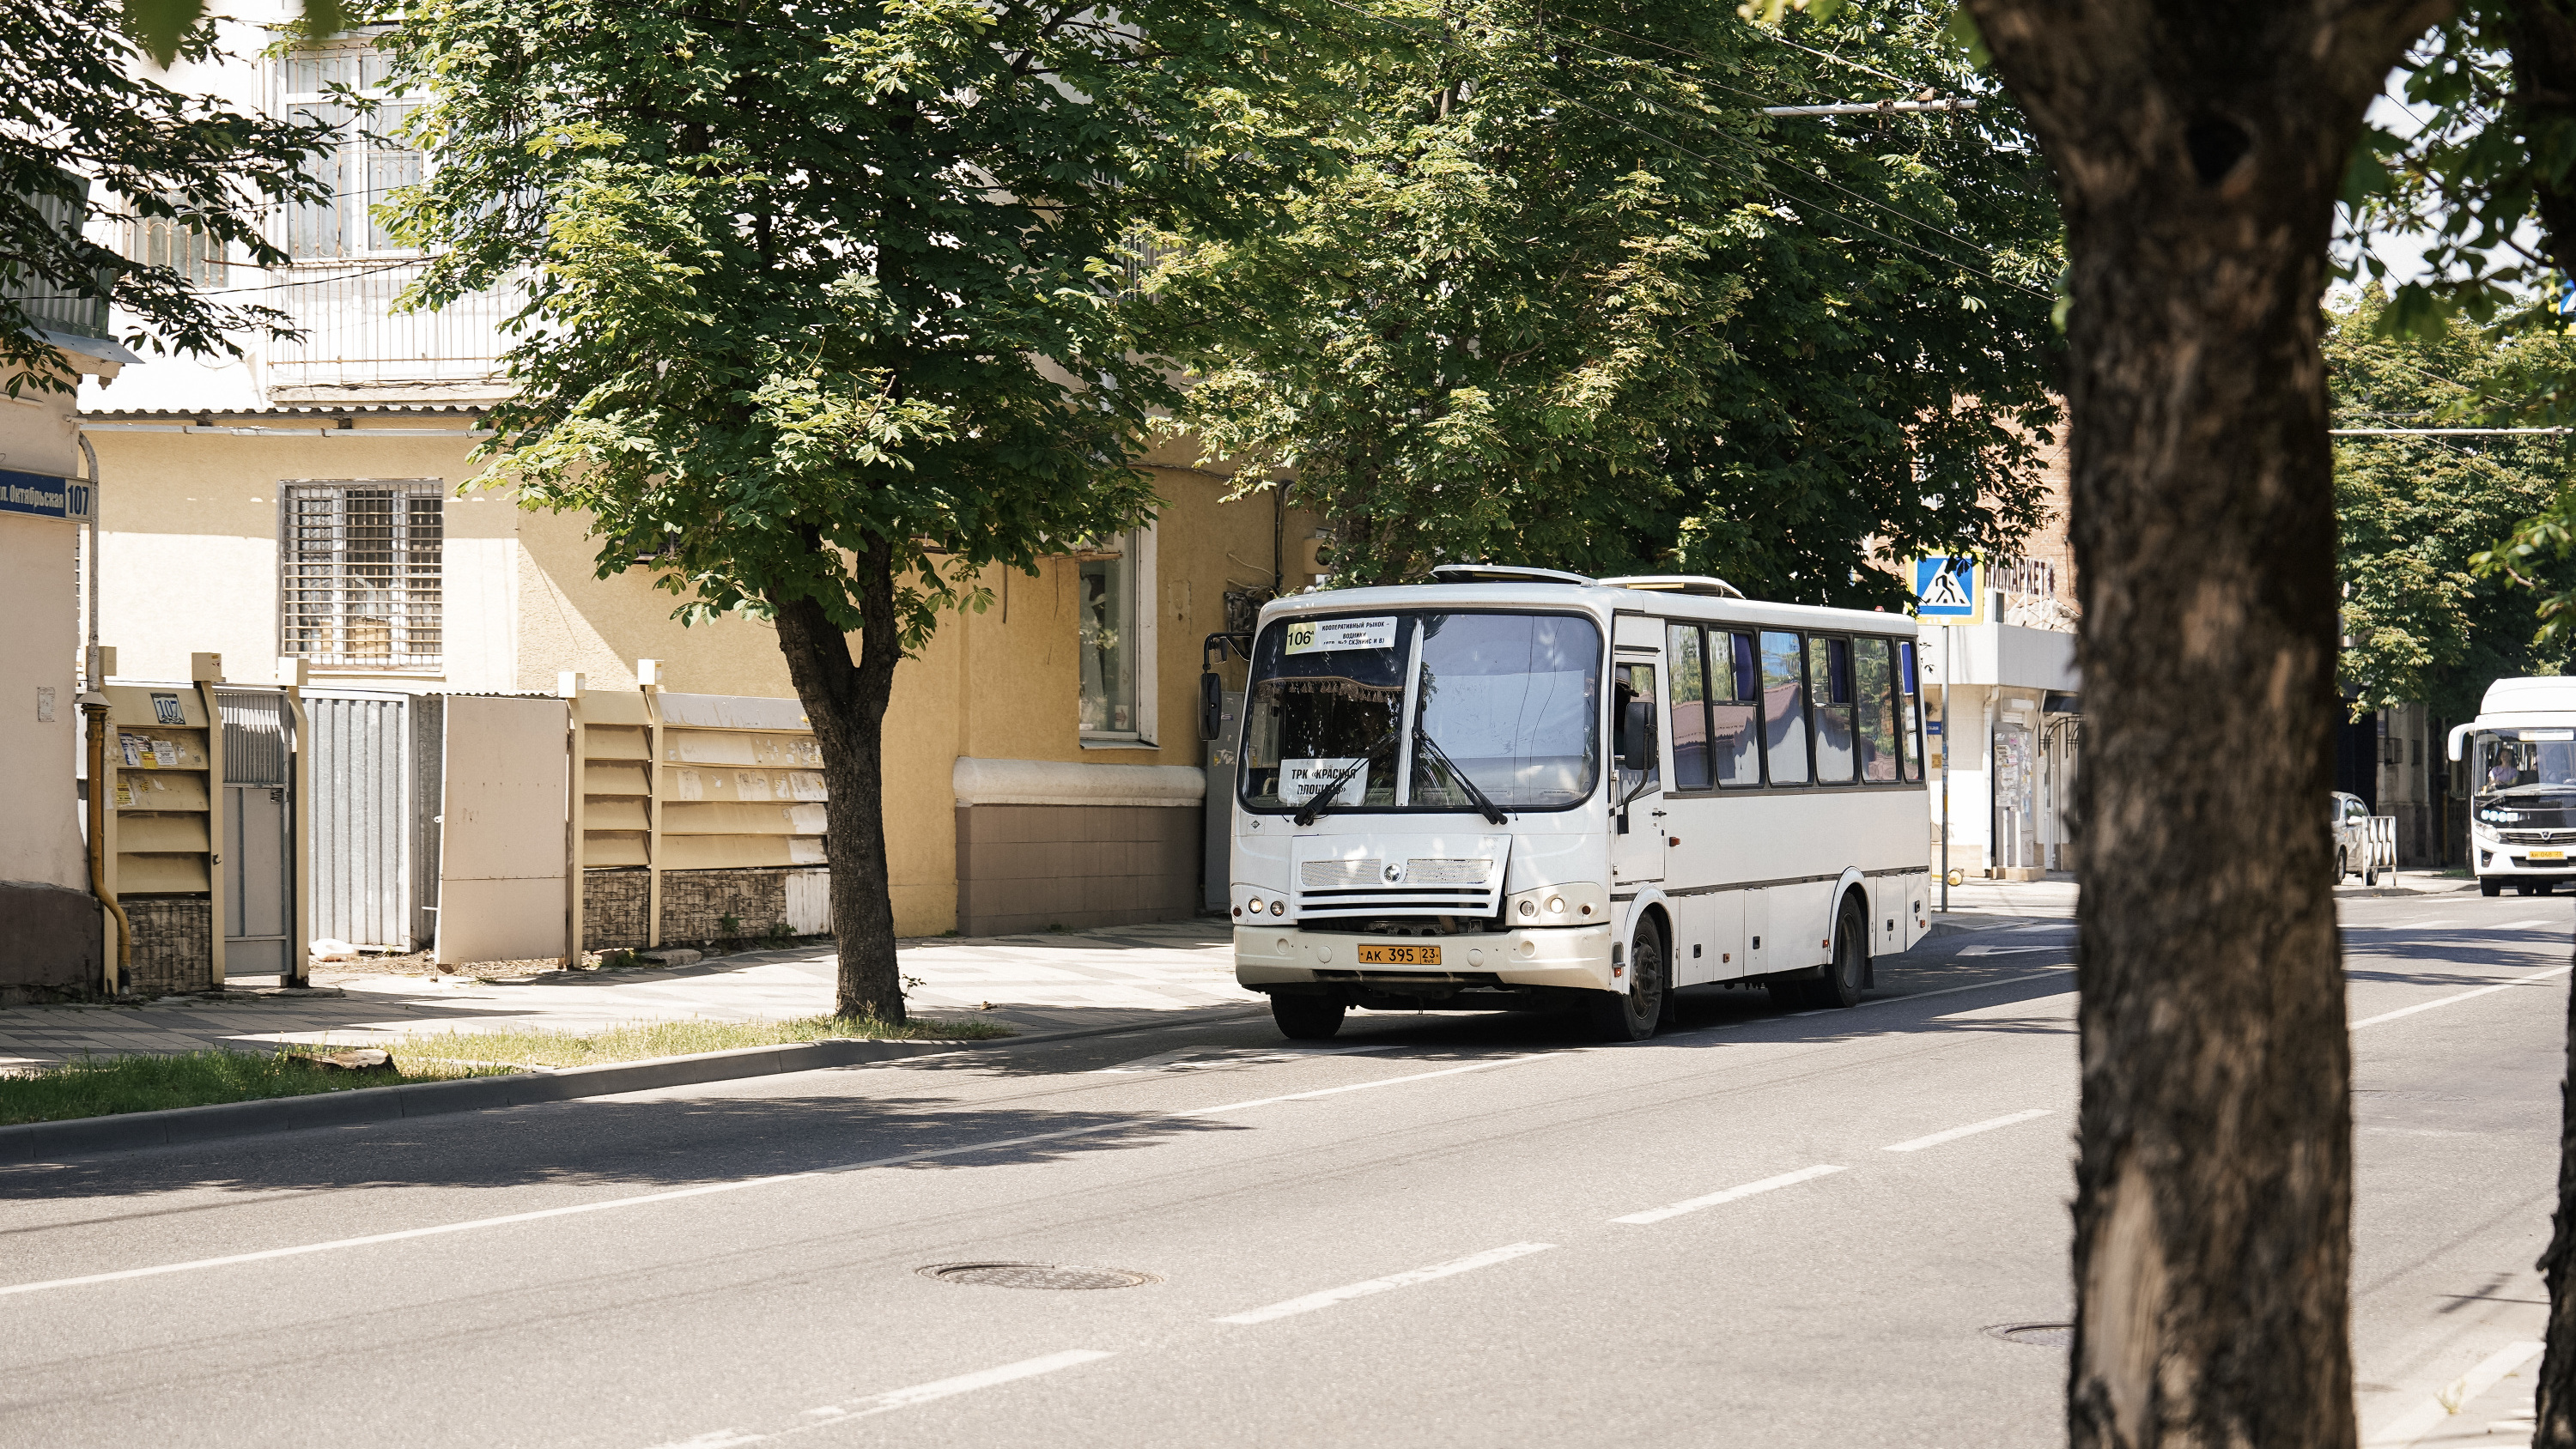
(1632, 1017)
(2490, 887)
(1307, 1018)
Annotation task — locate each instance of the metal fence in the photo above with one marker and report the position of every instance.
(375, 850)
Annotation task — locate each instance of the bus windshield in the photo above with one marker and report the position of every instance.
(2520, 760)
(1509, 701)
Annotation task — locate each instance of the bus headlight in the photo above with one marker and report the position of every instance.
(1573, 903)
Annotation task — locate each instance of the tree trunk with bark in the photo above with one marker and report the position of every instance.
(846, 701)
(2198, 151)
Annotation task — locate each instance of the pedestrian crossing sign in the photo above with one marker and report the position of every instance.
(1946, 592)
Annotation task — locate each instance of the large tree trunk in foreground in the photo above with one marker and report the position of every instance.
(846, 702)
(2544, 95)
(2198, 150)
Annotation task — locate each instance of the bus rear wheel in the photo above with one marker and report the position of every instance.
(1307, 1018)
(1633, 1017)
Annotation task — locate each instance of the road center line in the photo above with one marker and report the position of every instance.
(2463, 996)
(1768, 1184)
(1971, 1130)
(1027, 1368)
(1346, 1293)
(1371, 1086)
(709, 1189)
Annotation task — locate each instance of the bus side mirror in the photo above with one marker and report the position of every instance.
(1211, 705)
(1637, 736)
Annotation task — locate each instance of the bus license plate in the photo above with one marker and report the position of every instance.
(2549, 855)
(1399, 955)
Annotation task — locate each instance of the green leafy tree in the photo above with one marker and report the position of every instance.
(2421, 622)
(88, 136)
(2490, 177)
(822, 298)
(1575, 301)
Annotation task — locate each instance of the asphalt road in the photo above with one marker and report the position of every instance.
(1763, 1229)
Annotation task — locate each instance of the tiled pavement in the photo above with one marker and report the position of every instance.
(1108, 977)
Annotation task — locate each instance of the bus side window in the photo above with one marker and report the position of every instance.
(1910, 723)
(1689, 705)
(1734, 734)
(1829, 675)
(1784, 706)
(1878, 713)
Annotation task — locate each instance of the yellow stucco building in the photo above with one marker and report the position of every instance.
(1042, 758)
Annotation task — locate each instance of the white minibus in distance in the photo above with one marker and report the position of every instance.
(1512, 788)
(2522, 784)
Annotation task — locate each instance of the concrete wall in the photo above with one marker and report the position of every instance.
(501, 843)
(1030, 867)
(49, 924)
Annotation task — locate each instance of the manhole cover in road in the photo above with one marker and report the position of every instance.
(1036, 1275)
(2037, 1335)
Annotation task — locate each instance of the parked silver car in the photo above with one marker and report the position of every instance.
(2353, 855)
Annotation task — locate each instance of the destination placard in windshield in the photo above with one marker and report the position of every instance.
(1334, 636)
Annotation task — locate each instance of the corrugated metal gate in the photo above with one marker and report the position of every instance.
(258, 879)
(376, 765)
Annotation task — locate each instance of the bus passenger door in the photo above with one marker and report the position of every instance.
(1637, 821)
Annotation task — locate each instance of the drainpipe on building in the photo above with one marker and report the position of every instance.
(89, 659)
(93, 704)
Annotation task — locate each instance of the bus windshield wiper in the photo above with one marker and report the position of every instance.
(1484, 805)
(1315, 803)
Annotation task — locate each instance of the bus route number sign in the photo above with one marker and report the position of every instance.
(1325, 636)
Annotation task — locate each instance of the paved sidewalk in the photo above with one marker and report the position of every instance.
(1110, 977)
(1973, 903)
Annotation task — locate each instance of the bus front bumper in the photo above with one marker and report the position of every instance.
(1569, 956)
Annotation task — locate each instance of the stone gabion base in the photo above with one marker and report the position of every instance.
(694, 906)
(613, 903)
(174, 943)
(695, 903)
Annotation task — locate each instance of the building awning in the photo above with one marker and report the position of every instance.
(98, 347)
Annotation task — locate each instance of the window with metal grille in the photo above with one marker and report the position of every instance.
(167, 241)
(358, 573)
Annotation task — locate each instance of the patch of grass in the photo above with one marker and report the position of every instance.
(104, 1086)
(671, 1039)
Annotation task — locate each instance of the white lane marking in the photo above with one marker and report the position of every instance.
(2007, 950)
(2463, 996)
(895, 1161)
(1027, 1368)
(1971, 1130)
(1192, 1059)
(1370, 1086)
(713, 1439)
(708, 1189)
(1768, 1184)
(2530, 925)
(2424, 1418)
(1347, 1292)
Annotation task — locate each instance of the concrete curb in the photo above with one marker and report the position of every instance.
(126, 1131)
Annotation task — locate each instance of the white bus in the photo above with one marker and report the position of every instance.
(1515, 788)
(2522, 784)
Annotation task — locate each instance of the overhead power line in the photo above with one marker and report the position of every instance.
(1869, 108)
(2446, 432)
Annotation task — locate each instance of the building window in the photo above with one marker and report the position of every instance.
(367, 164)
(167, 241)
(358, 573)
(1114, 619)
